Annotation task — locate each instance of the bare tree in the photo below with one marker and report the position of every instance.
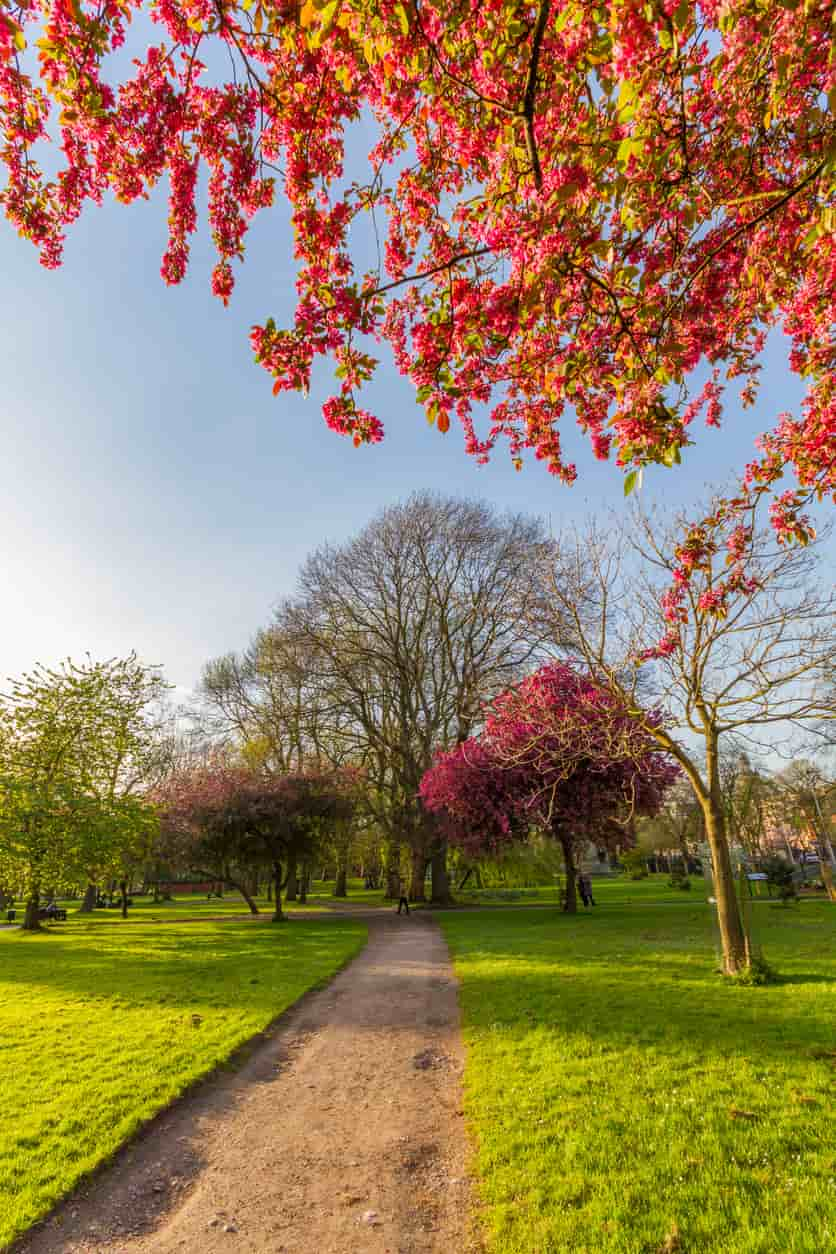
(751, 657)
(746, 794)
(807, 794)
(407, 630)
(262, 697)
(678, 823)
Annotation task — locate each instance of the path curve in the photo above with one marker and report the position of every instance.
(341, 1134)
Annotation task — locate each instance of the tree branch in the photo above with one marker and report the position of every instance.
(741, 230)
(425, 274)
(530, 96)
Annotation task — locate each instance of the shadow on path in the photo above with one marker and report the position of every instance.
(337, 1129)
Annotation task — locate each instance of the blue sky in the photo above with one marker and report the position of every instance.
(156, 496)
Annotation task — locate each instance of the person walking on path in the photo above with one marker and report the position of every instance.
(585, 890)
(403, 901)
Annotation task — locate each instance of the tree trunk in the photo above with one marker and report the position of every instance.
(441, 894)
(732, 935)
(88, 905)
(292, 887)
(278, 914)
(31, 921)
(304, 882)
(246, 894)
(827, 880)
(465, 877)
(393, 871)
(416, 882)
(570, 906)
(269, 889)
(123, 889)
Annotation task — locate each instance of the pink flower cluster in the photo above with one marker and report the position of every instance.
(557, 752)
(580, 253)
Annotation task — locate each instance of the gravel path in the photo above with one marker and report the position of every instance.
(341, 1134)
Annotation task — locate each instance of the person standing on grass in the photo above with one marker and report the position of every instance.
(403, 902)
(585, 889)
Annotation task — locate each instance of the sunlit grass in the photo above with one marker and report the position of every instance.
(610, 889)
(625, 1098)
(100, 1027)
(198, 906)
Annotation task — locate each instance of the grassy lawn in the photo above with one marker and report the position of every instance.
(608, 889)
(625, 1098)
(197, 906)
(101, 1026)
(619, 889)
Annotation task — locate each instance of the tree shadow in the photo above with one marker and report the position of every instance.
(656, 984)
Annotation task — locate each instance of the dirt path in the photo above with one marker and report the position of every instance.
(342, 1133)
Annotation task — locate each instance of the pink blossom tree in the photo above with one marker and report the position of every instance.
(559, 753)
(581, 205)
(227, 820)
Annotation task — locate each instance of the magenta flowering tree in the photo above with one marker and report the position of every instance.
(559, 753)
(587, 210)
(229, 820)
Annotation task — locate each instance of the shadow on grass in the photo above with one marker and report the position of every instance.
(144, 966)
(608, 986)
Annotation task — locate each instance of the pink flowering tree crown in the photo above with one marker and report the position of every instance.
(580, 204)
(557, 752)
(231, 814)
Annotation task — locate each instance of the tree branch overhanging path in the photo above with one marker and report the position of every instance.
(341, 1131)
(575, 214)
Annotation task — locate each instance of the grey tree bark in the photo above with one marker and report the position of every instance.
(88, 905)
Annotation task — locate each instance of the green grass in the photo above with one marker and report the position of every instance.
(196, 906)
(101, 1027)
(625, 1098)
(617, 889)
(609, 889)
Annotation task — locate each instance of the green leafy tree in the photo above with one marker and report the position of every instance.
(76, 745)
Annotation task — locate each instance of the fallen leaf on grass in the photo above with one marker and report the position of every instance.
(672, 1242)
(737, 1113)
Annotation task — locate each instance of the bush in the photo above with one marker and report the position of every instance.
(757, 973)
(780, 874)
(679, 879)
(635, 864)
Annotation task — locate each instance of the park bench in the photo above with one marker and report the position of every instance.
(52, 913)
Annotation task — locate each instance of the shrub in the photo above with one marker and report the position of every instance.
(635, 864)
(758, 972)
(780, 874)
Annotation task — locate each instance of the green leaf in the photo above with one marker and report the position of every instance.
(628, 94)
(563, 18)
(811, 236)
(631, 481)
(680, 14)
(627, 148)
(329, 15)
(403, 18)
